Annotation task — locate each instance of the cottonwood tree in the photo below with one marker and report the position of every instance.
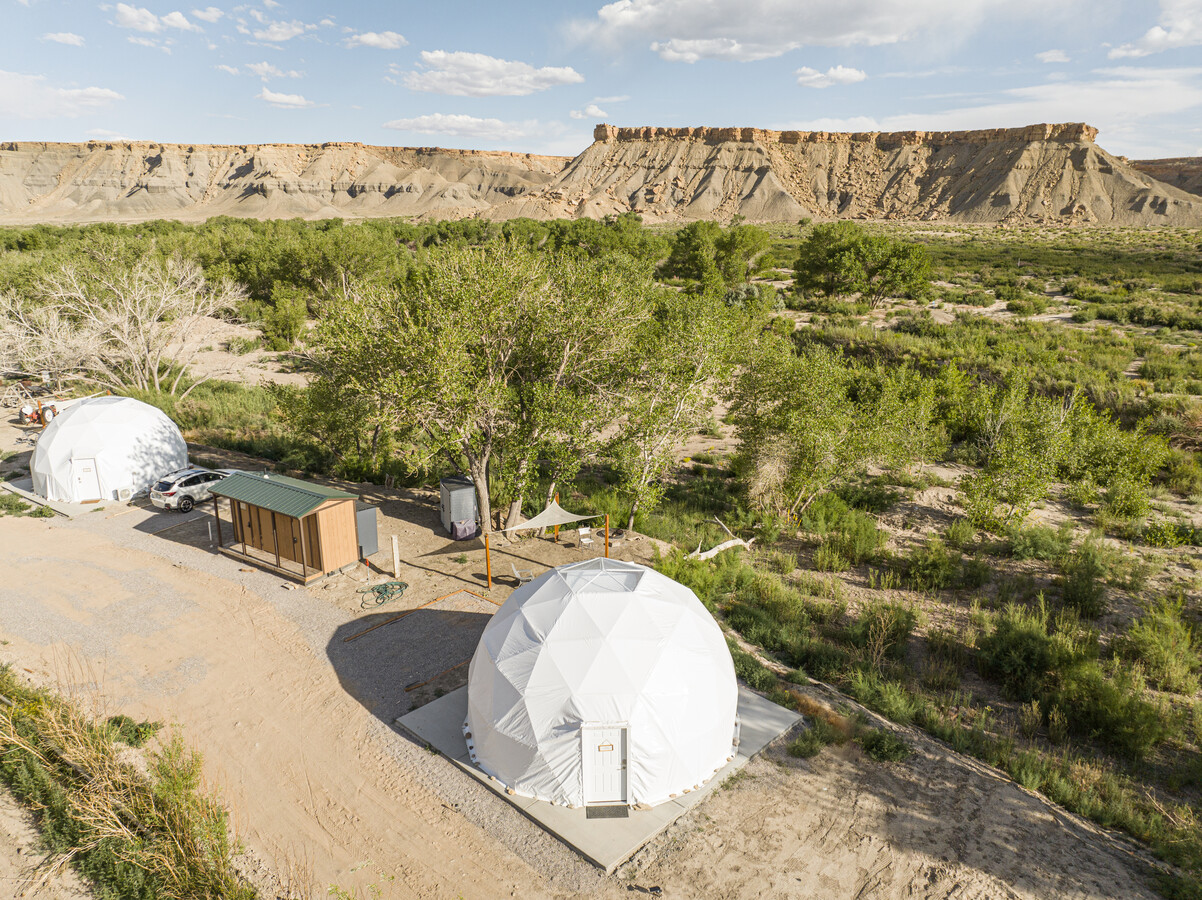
(804, 426)
(684, 360)
(492, 352)
(116, 324)
(842, 260)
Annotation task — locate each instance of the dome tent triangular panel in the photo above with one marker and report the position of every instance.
(101, 446)
(607, 651)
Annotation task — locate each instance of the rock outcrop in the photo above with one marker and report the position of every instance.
(1184, 172)
(132, 181)
(1041, 173)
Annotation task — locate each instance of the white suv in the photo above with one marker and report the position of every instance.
(185, 488)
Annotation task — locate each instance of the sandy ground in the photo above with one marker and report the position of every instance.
(292, 722)
(25, 871)
(295, 725)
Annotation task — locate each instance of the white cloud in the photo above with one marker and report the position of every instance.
(149, 42)
(284, 101)
(209, 14)
(380, 40)
(64, 37)
(592, 111)
(812, 78)
(137, 18)
(30, 97)
(1052, 56)
(266, 71)
(141, 19)
(178, 20)
(1180, 25)
(465, 126)
(745, 30)
(232, 70)
(464, 74)
(281, 31)
(105, 135)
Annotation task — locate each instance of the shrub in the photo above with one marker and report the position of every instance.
(1082, 493)
(889, 698)
(1030, 717)
(817, 735)
(751, 670)
(975, 572)
(882, 629)
(1125, 499)
(884, 746)
(960, 534)
(11, 504)
(1109, 707)
(1163, 533)
(1018, 651)
(1164, 645)
(828, 559)
(1041, 542)
(1081, 577)
(782, 563)
(933, 566)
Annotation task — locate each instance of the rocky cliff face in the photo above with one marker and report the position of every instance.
(1041, 173)
(136, 181)
(1184, 172)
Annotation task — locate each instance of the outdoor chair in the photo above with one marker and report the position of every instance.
(522, 576)
(585, 536)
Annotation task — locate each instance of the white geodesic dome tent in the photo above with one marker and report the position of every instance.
(105, 448)
(602, 682)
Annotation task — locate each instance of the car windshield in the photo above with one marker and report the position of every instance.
(163, 486)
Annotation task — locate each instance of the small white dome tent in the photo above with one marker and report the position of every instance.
(101, 447)
(602, 682)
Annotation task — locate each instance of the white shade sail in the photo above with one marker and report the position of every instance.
(101, 446)
(554, 514)
(601, 643)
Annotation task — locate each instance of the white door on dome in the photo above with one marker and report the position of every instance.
(85, 480)
(603, 754)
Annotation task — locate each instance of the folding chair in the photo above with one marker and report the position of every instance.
(585, 536)
(522, 576)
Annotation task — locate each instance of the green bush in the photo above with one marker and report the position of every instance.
(1125, 499)
(975, 573)
(960, 534)
(1019, 651)
(827, 558)
(1041, 542)
(1164, 645)
(1081, 576)
(1163, 533)
(11, 504)
(883, 627)
(818, 734)
(884, 746)
(1109, 707)
(751, 670)
(932, 567)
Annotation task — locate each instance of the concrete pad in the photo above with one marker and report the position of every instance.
(23, 487)
(604, 842)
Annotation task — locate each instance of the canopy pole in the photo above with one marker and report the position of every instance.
(488, 560)
(607, 535)
(557, 527)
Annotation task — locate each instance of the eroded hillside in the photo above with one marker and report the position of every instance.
(1041, 173)
(1183, 172)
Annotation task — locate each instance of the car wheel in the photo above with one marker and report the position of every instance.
(186, 504)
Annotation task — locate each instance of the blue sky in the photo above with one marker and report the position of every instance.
(537, 76)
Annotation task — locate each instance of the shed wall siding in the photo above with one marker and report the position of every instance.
(339, 536)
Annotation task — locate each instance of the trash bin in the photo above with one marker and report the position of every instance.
(365, 524)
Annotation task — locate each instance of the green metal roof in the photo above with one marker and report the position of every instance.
(278, 493)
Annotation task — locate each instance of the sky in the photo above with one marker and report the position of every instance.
(537, 76)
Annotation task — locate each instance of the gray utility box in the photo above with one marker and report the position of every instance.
(458, 501)
(365, 523)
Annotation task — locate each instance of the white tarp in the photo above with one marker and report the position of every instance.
(99, 447)
(601, 642)
(554, 514)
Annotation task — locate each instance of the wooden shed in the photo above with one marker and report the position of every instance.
(300, 529)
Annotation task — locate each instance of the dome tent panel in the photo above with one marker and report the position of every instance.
(129, 443)
(621, 655)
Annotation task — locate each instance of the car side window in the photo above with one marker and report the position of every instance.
(190, 482)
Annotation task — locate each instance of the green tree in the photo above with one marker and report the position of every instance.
(805, 423)
(842, 260)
